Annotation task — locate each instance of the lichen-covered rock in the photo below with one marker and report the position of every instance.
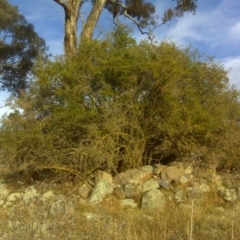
(30, 193)
(14, 197)
(153, 199)
(180, 196)
(198, 190)
(147, 168)
(47, 195)
(100, 191)
(228, 195)
(149, 185)
(4, 191)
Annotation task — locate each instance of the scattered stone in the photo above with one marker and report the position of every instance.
(157, 168)
(100, 191)
(149, 185)
(47, 195)
(204, 188)
(180, 196)
(14, 197)
(128, 203)
(84, 191)
(131, 190)
(164, 184)
(4, 191)
(172, 173)
(153, 199)
(147, 168)
(228, 195)
(189, 170)
(30, 193)
(101, 175)
(184, 179)
(137, 175)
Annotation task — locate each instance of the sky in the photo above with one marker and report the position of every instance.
(214, 30)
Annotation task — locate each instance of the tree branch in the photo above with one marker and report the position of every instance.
(137, 23)
(60, 2)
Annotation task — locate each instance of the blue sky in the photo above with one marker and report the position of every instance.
(214, 30)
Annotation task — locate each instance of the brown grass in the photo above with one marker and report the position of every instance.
(74, 220)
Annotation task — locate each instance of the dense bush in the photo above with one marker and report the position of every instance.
(118, 101)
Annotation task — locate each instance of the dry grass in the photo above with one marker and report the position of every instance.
(70, 219)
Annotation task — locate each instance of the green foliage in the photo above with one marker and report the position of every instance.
(116, 101)
(143, 11)
(20, 46)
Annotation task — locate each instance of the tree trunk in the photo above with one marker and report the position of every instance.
(71, 9)
(87, 31)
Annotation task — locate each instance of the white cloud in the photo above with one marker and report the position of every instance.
(210, 26)
(3, 108)
(232, 64)
(234, 32)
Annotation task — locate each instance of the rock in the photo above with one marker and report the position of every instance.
(153, 199)
(56, 207)
(84, 191)
(157, 168)
(149, 185)
(204, 188)
(172, 173)
(164, 184)
(101, 175)
(128, 203)
(30, 193)
(189, 170)
(198, 190)
(180, 196)
(4, 192)
(147, 168)
(14, 197)
(183, 180)
(228, 195)
(131, 190)
(47, 195)
(100, 191)
(136, 175)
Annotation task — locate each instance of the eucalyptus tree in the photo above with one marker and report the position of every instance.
(139, 11)
(20, 46)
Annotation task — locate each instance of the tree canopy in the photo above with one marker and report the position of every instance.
(20, 46)
(118, 102)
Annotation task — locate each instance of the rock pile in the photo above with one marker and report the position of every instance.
(147, 187)
(151, 186)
